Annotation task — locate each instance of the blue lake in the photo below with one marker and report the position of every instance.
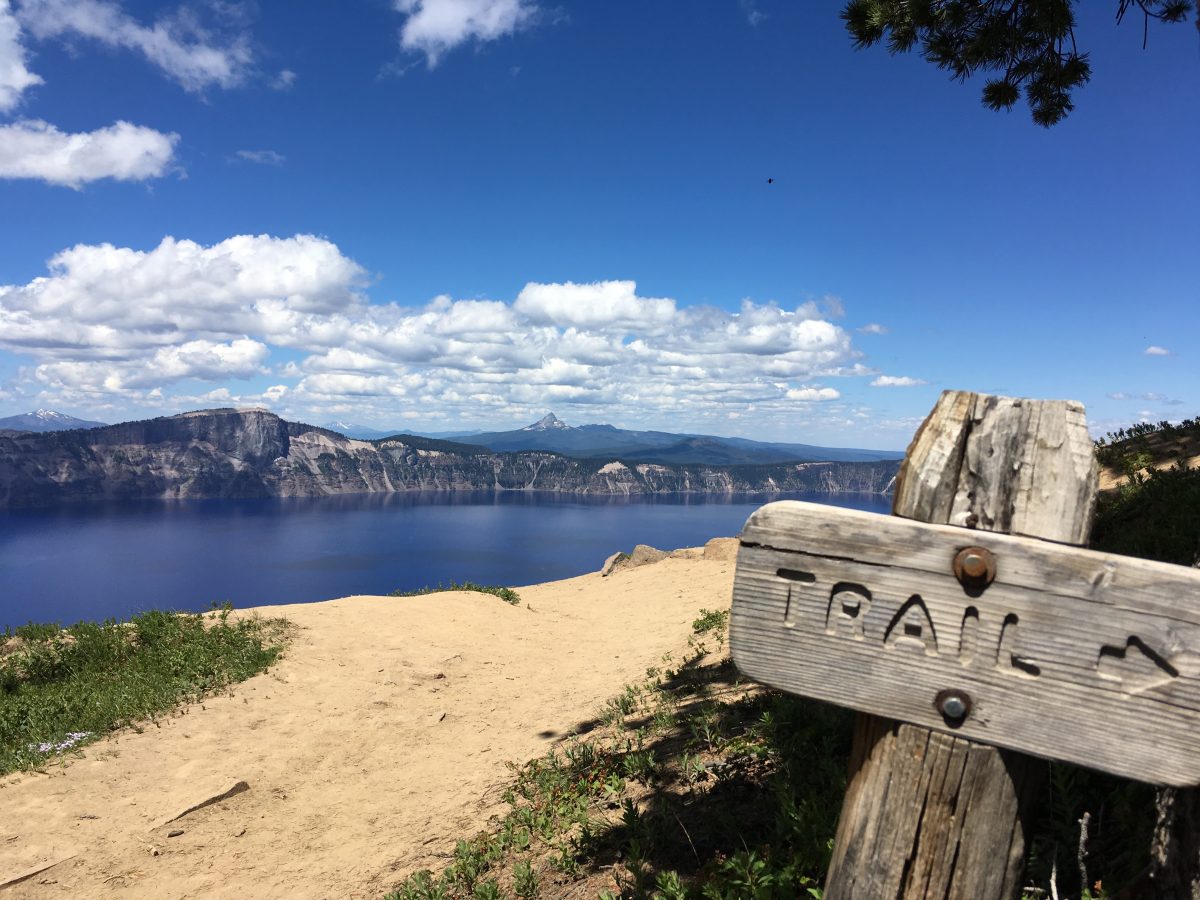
(92, 562)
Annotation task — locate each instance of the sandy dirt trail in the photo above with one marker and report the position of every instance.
(378, 740)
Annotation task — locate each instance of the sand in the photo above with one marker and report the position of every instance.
(1164, 450)
(1110, 478)
(378, 740)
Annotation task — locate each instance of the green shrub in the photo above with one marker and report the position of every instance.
(33, 631)
(1153, 516)
(715, 620)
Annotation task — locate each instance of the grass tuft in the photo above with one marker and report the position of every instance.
(62, 688)
(508, 595)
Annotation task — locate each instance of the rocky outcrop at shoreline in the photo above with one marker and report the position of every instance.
(228, 453)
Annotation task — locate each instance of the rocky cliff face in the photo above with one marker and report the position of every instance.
(236, 453)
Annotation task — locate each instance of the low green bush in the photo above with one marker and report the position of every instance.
(1152, 516)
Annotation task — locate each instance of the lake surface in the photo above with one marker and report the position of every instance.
(92, 562)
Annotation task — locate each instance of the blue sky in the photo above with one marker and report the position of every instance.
(442, 214)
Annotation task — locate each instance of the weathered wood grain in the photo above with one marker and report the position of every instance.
(1174, 872)
(1002, 464)
(1175, 851)
(1086, 657)
(984, 463)
(929, 815)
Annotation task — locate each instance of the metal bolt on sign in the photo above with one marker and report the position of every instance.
(975, 567)
(955, 705)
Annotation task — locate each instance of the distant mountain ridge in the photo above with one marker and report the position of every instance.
(41, 420)
(594, 441)
(551, 434)
(226, 453)
(361, 432)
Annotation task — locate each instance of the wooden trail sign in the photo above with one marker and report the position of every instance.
(930, 812)
(1067, 654)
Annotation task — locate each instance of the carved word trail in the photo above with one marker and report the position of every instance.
(850, 611)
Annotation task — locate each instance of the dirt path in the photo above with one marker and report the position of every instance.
(377, 741)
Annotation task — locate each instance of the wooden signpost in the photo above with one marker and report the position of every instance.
(973, 637)
(1084, 657)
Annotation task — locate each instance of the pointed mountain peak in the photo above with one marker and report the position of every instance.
(548, 422)
(45, 420)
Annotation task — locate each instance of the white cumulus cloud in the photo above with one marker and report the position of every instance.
(873, 328)
(209, 360)
(200, 359)
(604, 304)
(124, 152)
(163, 327)
(196, 55)
(897, 381)
(102, 302)
(808, 394)
(1155, 350)
(15, 77)
(434, 27)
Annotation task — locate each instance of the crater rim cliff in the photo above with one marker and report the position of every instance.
(238, 453)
